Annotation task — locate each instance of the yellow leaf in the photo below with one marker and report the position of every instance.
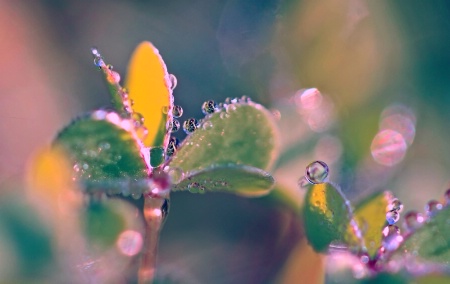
(149, 87)
(370, 216)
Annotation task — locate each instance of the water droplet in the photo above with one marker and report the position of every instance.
(207, 124)
(76, 167)
(172, 146)
(209, 107)
(395, 205)
(98, 61)
(173, 125)
(432, 207)
(173, 81)
(165, 109)
(190, 125)
(130, 242)
(388, 147)
(177, 111)
(156, 156)
(392, 238)
(95, 51)
(141, 132)
(138, 118)
(364, 259)
(176, 175)
(413, 220)
(109, 66)
(392, 217)
(136, 195)
(302, 182)
(113, 77)
(317, 172)
(194, 187)
(447, 196)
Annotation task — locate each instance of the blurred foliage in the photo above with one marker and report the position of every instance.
(362, 55)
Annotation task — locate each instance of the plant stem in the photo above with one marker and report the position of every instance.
(155, 211)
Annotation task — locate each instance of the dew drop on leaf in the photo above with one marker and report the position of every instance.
(172, 146)
(208, 107)
(165, 109)
(173, 125)
(190, 125)
(432, 207)
(395, 205)
(317, 172)
(176, 175)
(156, 156)
(392, 217)
(391, 238)
(207, 124)
(177, 111)
(138, 118)
(173, 81)
(447, 196)
(413, 220)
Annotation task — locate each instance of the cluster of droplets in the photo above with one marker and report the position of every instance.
(391, 235)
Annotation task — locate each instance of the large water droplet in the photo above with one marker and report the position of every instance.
(209, 107)
(177, 111)
(317, 172)
(392, 217)
(130, 242)
(432, 207)
(413, 220)
(395, 205)
(190, 125)
(392, 238)
(156, 156)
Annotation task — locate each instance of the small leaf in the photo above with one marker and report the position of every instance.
(245, 134)
(370, 215)
(150, 88)
(384, 277)
(243, 180)
(325, 215)
(101, 150)
(432, 240)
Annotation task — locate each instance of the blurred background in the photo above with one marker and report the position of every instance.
(379, 116)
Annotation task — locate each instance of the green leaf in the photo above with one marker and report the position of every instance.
(384, 277)
(101, 150)
(102, 224)
(432, 240)
(370, 215)
(325, 215)
(244, 180)
(242, 135)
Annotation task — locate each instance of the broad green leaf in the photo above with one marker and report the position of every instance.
(433, 279)
(370, 216)
(244, 134)
(432, 240)
(384, 277)
(244, 180)
(150, 88)
(325, 216)
(101, 150)
(102, 224)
